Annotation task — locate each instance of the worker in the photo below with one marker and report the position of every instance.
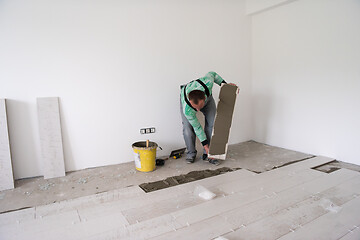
(197, 96)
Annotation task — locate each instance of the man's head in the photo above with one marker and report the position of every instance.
(197, 99)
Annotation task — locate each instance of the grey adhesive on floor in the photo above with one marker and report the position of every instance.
(224, 114)
(50, 137)
(6, 172)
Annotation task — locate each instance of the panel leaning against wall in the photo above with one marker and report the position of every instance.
(6, 171)
(50, 137)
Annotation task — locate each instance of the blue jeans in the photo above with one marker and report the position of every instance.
(209, 111)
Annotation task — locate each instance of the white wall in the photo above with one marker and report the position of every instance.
(257, 6)
(117, 67)
(306, 77)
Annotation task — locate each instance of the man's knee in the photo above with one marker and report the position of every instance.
(188, 130)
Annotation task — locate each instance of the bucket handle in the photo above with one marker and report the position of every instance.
(147, 144)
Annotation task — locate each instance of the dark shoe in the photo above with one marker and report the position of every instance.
(190, 160)
(205, 157)
(214, 161)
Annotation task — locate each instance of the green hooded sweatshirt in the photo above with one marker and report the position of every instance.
(190, 112)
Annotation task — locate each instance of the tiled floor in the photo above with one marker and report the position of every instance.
(290, 202)
(277, 194)
(32, 192)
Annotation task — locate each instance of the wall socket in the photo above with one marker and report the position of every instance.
(147, 130)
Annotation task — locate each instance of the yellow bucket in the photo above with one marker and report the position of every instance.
(145, 156)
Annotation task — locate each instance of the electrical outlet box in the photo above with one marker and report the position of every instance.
(147, 130)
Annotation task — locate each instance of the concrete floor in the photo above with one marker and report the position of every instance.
(336, 165)
(250, 155)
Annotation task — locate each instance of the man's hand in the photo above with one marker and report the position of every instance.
(206, 147)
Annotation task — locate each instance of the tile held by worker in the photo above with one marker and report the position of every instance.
(223, 120)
